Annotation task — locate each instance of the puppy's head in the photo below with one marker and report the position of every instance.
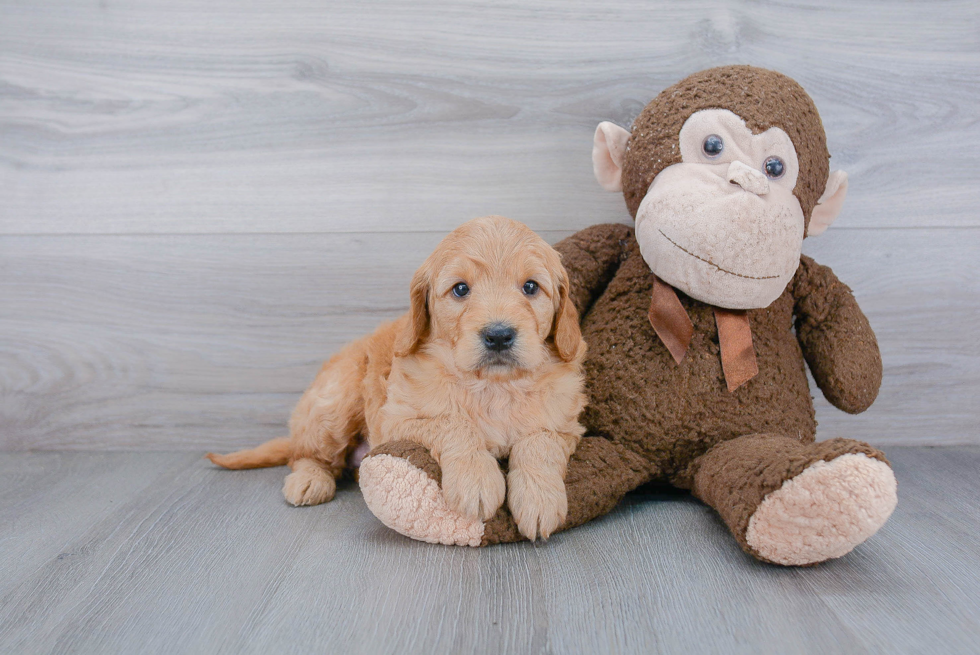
(494, 295)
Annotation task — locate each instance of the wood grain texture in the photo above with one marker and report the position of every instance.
(162, 342)
(300, 116)
(69, 494)
(199, 560)
(202, 200)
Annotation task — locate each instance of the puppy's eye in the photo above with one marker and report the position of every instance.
(774, 168)
(712, 146)
(461, 289)
(530, 288)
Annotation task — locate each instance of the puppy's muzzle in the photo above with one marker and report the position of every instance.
(498, 338)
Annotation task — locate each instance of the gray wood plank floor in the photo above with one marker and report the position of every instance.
(162, 553)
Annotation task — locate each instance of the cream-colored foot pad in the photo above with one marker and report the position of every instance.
(408, 501)
(823, 512)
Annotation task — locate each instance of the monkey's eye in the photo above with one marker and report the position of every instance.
(712, 146)
(530, 288)
(774, 168)
(461, 289)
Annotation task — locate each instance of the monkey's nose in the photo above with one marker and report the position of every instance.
(748, 178)
(499, 337)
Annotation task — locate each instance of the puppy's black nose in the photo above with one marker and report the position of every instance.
(499, 337)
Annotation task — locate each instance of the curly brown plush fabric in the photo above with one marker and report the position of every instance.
(653, 420)
(418, 456)
(671, 414)
(650, 419)
(763, 98)
(600, 473)
(737, 475)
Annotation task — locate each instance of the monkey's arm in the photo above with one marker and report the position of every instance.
(591, 257)
(836, 338)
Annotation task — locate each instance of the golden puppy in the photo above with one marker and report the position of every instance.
(486, 364)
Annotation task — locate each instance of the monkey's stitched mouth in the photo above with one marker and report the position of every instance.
(711, 263)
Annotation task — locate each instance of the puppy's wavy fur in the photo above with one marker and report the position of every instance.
(432, 377)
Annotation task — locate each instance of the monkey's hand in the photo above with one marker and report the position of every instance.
(836, 338)
(591, 257)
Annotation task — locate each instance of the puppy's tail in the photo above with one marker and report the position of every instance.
(271, 453)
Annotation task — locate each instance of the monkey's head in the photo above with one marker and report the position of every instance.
(724, 172)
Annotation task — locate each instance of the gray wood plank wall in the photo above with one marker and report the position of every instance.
(200, 201)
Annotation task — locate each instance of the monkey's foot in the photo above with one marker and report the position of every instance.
(824, 512)
(401, 484)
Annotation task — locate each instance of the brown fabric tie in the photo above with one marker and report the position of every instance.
(737, 353)
(674, 327)
(669, 320)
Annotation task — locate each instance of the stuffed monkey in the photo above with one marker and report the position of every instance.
(700, 321)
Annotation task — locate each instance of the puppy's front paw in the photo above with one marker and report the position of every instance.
(473, 485)
(539, 503)
(308, 484)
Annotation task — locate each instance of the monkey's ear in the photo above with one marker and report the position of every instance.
(829, 204)
(608, 153)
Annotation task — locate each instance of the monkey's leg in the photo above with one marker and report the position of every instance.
(400, 482)
(793, 503)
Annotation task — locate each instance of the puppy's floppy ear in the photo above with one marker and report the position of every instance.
(565, 330)
(409, 340)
